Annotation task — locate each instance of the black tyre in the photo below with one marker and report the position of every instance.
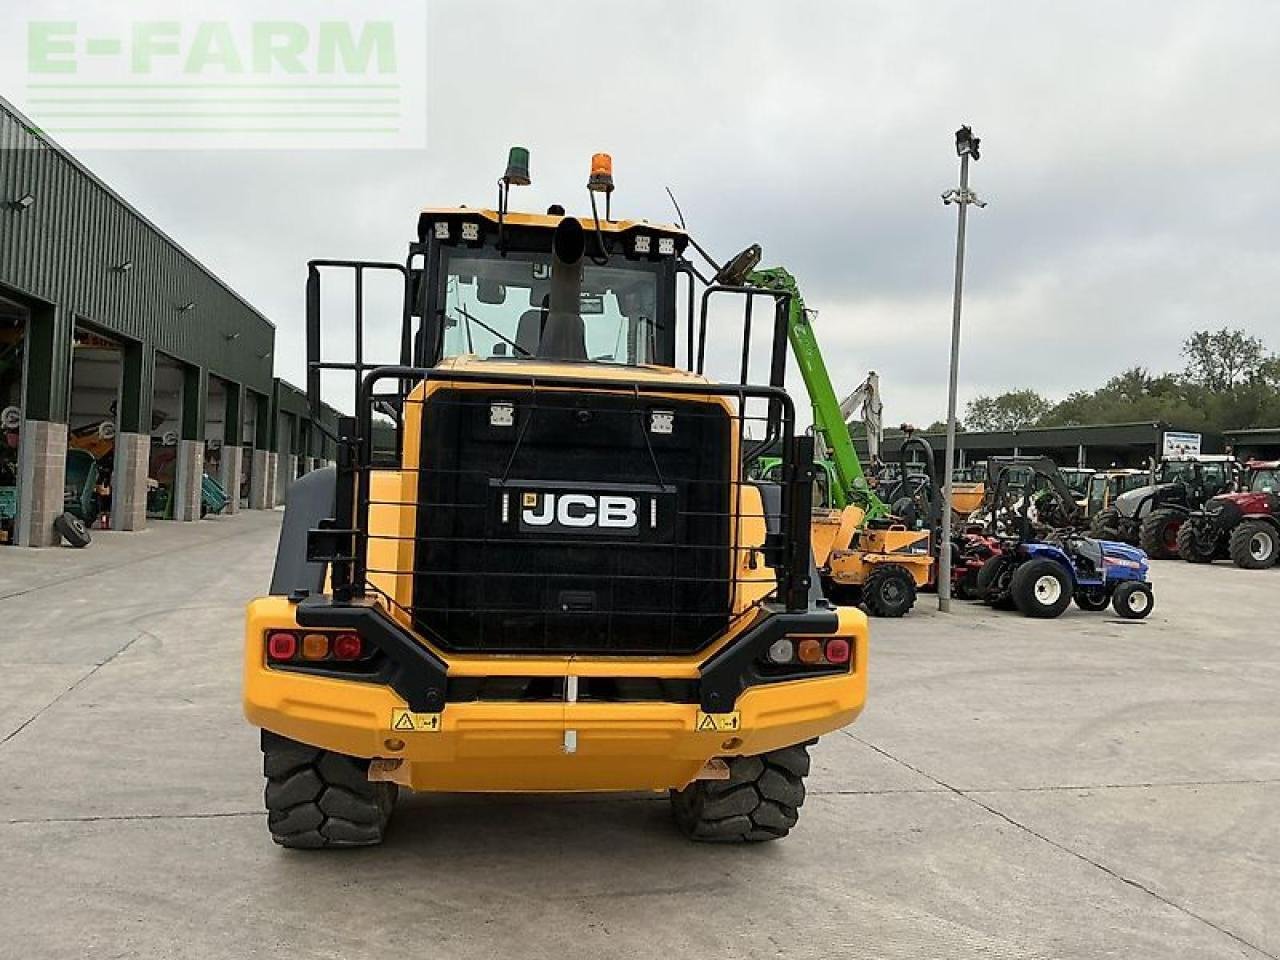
(991, 584)
(760, 801)
(1094, 600)
(1158, 534)
(72, 529)
(1105, 525)
(890, 591)
(966, 586)
(316, 798)
(1041, 588)
(841, 594)
(1194, 544)
(904, 508)
(1133, 599)
(1254, 545)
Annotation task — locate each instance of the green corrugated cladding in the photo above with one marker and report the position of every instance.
(64, 250)
(304, 437)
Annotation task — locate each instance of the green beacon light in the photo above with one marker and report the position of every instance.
(518, 167)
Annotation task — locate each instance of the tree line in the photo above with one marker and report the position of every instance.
(1229, 381)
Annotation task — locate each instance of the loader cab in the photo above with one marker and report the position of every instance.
(503, 288)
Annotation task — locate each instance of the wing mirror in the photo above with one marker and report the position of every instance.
(734, 273)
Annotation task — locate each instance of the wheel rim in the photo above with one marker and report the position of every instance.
(891, 591)
(1171, 536)
(1261, 546)
(1048, 589)
(1139, 601)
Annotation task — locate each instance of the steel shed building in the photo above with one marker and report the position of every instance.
(117, 345)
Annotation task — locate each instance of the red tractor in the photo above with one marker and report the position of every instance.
(1244, 526)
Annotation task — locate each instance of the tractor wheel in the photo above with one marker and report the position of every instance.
(317, 798)
(904, 508)
(1133, 599)
(966, 586)
(1105, 525)
(1158, 534)
(1041, 589)
(1094, 600)
(72, 529)
(1254, 545)
(1193, 547)
(889, 591)
(760, 800)
(992, 581)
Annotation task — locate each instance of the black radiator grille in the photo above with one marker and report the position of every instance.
(553, 521)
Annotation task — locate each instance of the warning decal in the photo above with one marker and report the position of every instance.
(406, 721)
(718, 722)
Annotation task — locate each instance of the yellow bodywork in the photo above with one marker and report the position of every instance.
(872, 548)
(516, 746)
(967, 497)
(867, 547)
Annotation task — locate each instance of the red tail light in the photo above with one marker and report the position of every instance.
(282, 646)
(837, 650)
(347, 646)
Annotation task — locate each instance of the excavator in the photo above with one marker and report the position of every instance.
(863, 552)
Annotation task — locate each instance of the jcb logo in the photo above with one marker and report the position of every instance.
(579, 511)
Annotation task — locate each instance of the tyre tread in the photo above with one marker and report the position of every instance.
(760, 801)
(1238, 546)
(317, 798)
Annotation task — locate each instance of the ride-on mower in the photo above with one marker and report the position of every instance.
(1149, 516)
(1244, 526)
(562, 577)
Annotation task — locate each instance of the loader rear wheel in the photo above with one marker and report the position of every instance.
(889, 592)
(1254, 545)
(1192, 546)
(316, 798)
(760, 801)
(1158, 535)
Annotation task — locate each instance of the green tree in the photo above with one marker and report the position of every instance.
(1006, 411)
(1220, 360)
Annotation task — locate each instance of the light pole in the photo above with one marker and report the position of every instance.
(966, 147)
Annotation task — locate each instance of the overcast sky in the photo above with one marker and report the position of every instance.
(1131, 158)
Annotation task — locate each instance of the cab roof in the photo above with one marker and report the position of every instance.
(544, 220)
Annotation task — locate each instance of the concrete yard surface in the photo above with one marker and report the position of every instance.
(1080, 788)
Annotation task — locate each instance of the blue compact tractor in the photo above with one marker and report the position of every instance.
(1042, 578)
(1040, 571)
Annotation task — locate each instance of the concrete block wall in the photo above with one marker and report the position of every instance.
(42, 455)
(187, 478)
(129, 481)
(230, 477)
(260, 481)
(290, 474)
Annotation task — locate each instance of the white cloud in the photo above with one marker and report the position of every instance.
(1129, 156)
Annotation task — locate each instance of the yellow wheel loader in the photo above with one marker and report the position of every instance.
(558, 575)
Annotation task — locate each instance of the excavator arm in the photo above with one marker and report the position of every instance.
(851, 486)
